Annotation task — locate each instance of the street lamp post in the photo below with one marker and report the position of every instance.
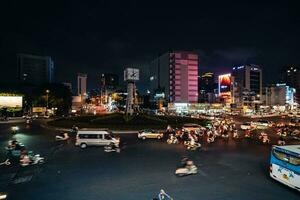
(47, 99)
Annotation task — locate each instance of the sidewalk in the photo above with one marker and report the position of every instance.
(45, 125)
(13, 120)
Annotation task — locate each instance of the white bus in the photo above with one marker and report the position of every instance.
(285, 165)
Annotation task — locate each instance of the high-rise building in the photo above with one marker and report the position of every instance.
(278, 95)
(176, 73)
(206, 86)
(291, 76)
(247, 84)
(81, 84)
(35, 70)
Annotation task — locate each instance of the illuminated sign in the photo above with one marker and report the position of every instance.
(39, 109)
(11, 101)
(225, 84)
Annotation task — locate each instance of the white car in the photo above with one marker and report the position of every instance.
(150, 134)
(246, 126)
(86, 138)
(191, 127)
(261, 124)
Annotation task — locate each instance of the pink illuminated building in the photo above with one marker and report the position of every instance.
(176, 73)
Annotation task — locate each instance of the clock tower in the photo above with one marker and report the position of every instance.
(131, 75)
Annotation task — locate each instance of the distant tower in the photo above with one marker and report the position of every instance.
(131, 75)
(81, 84)
(35, 70)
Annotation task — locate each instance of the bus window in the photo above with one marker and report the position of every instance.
(286, 158)
(294, 160)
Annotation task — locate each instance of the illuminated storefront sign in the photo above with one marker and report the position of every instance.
(11, 101)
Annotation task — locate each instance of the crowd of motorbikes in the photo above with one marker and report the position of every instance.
(18, 154)
(191, 137)
(221, 129)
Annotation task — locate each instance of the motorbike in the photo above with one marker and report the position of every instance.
(112, 148)
(74, 129)
(264, 138)
(210, 138)
(62, 137)
(163, 195)
(235, 135)
(6, 162)
(193, 146)
(14, 129)
(189, 169)
(225, 137)
(31, 160)
(28, 121)
(172, 140)
(281, 142)
(3, 196)
(247, 134)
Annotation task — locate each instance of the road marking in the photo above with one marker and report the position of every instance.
(23, 179)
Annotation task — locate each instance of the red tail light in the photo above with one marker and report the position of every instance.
(271, 168)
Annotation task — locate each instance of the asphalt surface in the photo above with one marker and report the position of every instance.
(233, 170)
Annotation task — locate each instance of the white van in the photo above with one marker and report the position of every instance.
(86, 138)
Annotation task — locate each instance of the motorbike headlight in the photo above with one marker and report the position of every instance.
(3, 196)
(14, 128)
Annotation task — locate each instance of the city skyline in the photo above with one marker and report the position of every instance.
(107, 37)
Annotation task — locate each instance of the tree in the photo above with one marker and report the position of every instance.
(59, 96)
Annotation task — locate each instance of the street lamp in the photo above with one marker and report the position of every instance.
(47, 99)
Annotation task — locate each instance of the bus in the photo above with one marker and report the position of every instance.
(285, 165)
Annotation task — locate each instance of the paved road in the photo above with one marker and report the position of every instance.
(234, 170)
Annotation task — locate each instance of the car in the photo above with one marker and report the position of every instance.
(96, 137)
(294, 122)
(246, 126)
(261, 124)
(151, 134)
(191, 127)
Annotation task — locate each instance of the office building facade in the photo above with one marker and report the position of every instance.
(291, 76)
(176, 74)
(81, 84)
(247, 85)
(35, 70)
(278, 95)
(206, 87)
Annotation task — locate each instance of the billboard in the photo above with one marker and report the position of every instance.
(225, 85)
(39, 109)
(11, 101)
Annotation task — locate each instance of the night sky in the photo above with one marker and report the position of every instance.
(107, 36)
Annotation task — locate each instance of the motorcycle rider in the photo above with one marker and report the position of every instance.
(210, 137)
(281, 141)
(163, 195)
(235, 134)
(74, 129)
